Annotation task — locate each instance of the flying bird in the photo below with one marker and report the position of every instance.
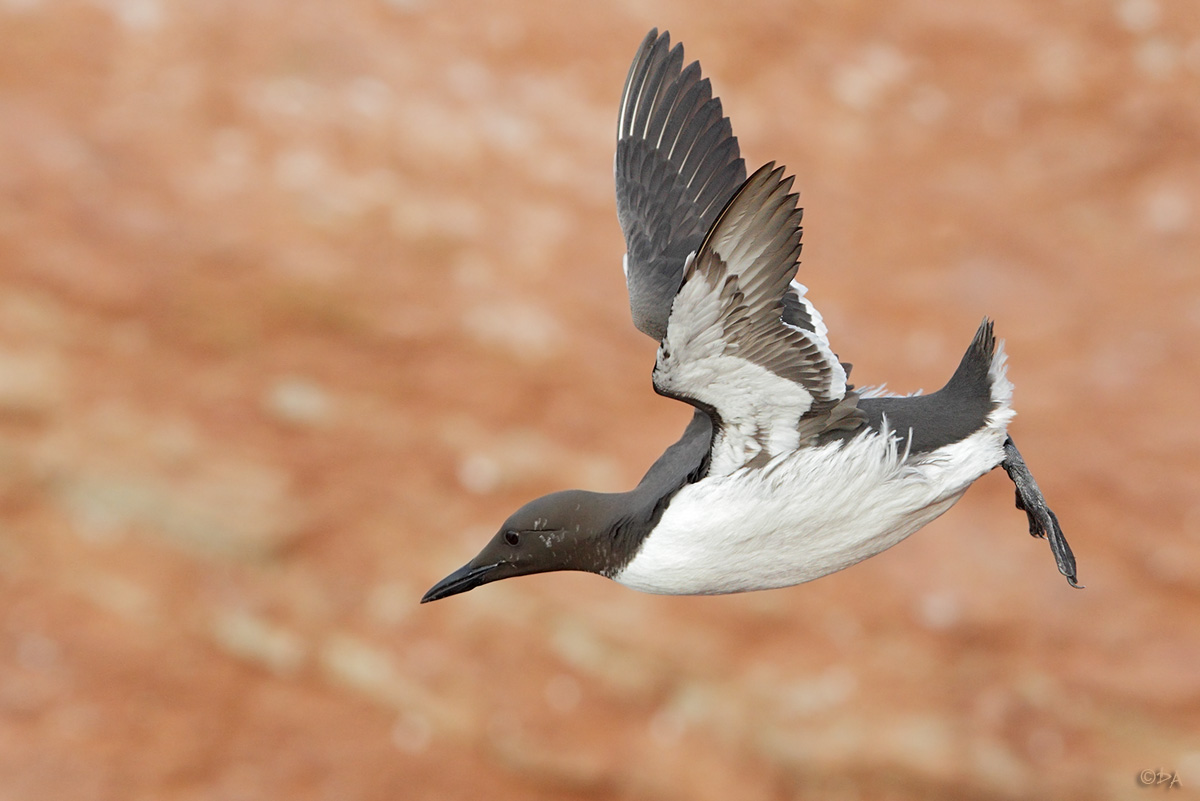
(786, 472)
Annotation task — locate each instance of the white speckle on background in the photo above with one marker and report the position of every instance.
(1167, 210)
(31, 384)
(253, 639)
(391, 602)
(470, 80)
(830, 689)
(298, 401)
(1058, 64)
(1156, 58)
(479, 473)
(939, 610)
(405, 6)
(667, 727)
(300, 168)
(528, 332)
(20, 6)
(1188, 763)
(1138, 16)
(287, 97)
(861, 84)
(136, 15)
(369, 96)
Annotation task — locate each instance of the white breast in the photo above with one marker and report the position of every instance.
(804, 515)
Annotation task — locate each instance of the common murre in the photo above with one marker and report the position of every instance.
(785, 473)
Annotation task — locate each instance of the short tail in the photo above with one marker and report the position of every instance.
(977, 397)
(982, 372)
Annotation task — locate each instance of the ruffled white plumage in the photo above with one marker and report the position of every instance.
(812, 511)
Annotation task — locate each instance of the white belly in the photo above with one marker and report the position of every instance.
(803, 516)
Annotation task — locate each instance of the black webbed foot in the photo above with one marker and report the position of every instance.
(1042, 520)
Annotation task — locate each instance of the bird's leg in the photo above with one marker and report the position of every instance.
(1042, 521)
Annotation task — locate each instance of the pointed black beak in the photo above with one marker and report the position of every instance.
(461, 580)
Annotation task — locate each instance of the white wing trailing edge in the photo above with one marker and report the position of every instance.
(770, 386)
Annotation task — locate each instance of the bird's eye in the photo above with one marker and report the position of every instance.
(512, 537)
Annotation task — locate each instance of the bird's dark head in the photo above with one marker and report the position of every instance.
(564, 531)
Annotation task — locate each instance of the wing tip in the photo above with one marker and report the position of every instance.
(764, 189)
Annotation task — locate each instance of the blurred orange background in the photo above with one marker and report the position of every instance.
(299, 300)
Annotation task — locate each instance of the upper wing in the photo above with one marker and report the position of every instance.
(769, 383)
(677, 164)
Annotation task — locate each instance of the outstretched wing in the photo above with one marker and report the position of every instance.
(677, 164)
(770, 385)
